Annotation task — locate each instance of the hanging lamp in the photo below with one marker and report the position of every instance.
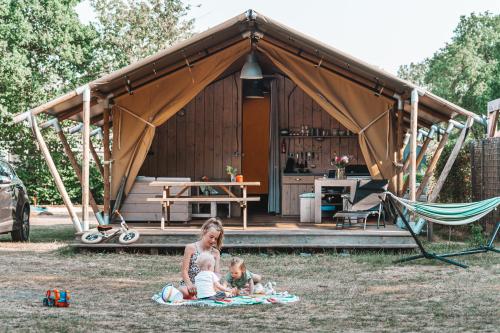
(251, 69)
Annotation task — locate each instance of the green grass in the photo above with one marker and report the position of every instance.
(355, 291)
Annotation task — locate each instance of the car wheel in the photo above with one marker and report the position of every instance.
(21, 231)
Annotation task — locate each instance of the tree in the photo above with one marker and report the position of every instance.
(134, 29)
(466, 70)
(45, 51)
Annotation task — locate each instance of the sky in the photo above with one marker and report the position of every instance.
(384, 33)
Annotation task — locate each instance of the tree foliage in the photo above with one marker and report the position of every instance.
(134, 29)
(46, 51)
(465, 71)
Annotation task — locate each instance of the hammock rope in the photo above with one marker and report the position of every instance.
(450, 214)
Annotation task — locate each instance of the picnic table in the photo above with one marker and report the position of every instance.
(167, 200)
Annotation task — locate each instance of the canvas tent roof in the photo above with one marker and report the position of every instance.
(435, 109)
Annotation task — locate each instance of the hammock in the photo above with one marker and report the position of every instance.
(450, 214)
(447, 214)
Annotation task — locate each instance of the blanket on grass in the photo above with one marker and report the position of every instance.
(278, 298)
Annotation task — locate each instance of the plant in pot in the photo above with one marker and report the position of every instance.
(231, 171)
(340, 162)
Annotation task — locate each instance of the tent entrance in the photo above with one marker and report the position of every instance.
(255, 152)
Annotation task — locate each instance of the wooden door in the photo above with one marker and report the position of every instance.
(255, 158)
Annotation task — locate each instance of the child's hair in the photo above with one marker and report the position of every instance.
(205, 260)
(215, 223)
(236, 261)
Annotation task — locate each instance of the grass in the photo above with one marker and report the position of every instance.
(355, 291)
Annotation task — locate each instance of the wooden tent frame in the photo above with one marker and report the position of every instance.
(419, 114)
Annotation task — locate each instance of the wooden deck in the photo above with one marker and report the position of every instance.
(266, 231)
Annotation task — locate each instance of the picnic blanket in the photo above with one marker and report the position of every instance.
(278, 298)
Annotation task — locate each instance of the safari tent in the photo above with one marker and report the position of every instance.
(184, 112)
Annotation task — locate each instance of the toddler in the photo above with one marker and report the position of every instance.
(206, 281)
(240, 278)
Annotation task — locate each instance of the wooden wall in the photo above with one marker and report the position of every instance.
(204, 140)
(296, 108)
(208, 136)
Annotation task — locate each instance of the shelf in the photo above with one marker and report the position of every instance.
(318, 136)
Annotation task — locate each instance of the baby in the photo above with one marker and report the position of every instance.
(206, 281)
(240, 278)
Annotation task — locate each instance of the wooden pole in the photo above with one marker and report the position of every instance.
(413, 144)
(400, 148)
(85, 157)
(493, 113)
(433, 162)
(96, 158)
(245, 204)
(55, 174)
(107, 161)
(420, 157)
(74, 164)
(446, 170)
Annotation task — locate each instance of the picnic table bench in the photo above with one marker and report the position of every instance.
(167, 200)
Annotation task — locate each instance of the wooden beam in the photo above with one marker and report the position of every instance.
(85, 158)
(492, 123)
(399, 147)
(420, 157)
(433, 162)
(76, 167)
(413, 144)
(446, 170)
(96, 158)
(107, 164)
(55, 174)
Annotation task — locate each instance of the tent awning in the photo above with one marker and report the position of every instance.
(123, 81)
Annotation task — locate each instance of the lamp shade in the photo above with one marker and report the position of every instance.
(251, 69)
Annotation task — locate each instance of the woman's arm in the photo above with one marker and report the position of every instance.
(188, 252)
(217, 261)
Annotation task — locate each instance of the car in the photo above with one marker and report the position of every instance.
(14, 204)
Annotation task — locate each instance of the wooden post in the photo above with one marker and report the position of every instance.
(74, 164)
(107, 163)
(446, 170)
(245, 207)
(413, 144)
(493, 113)
(420, 157)
(96, 158)
(400, 148)
(433, 162)
(163, 203)
(85, 157)
(55, 174)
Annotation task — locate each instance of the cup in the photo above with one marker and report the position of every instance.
(239, 178)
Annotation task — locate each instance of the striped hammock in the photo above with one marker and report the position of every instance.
(449, 214)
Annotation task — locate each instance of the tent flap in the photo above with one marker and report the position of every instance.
(155, 103)
(354, 106)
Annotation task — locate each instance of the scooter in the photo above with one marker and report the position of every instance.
(104, 233)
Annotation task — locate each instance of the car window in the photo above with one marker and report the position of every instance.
(5, 170)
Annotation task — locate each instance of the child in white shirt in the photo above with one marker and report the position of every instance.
(206, 281)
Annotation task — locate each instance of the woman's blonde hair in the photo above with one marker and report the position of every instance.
(237, 261)
(216, 224)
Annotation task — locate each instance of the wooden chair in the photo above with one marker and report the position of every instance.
(367, 201)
